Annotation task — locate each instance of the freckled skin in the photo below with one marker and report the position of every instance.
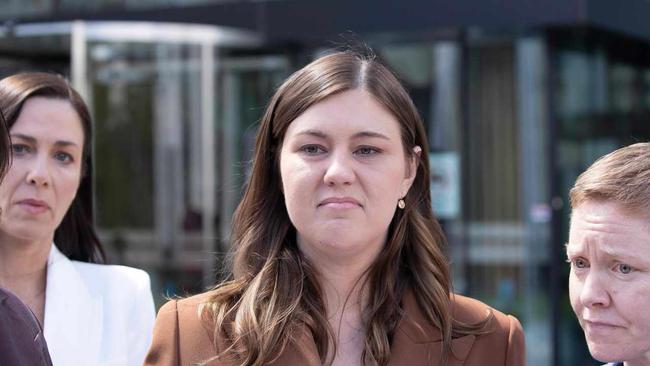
(609, 283)
(347, 145)
(47, 144)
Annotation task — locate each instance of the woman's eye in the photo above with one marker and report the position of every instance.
(624, 268)
(18, 149)
(367, 150)
(63, 157)
(580, 263)
(312, 149)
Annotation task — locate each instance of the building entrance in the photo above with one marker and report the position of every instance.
(174, 107)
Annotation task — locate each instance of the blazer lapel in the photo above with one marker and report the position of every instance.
(73, 314)
(300, 352)
(417, 341)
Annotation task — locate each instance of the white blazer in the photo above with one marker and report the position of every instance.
(96, 314)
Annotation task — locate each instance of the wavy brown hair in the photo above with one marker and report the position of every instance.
(274, 288)
(75, 236)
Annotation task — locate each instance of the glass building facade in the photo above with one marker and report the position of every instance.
(513, 117)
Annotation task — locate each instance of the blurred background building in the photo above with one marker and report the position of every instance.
(518, 98)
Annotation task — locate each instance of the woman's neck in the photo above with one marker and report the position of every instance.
(345, 294)
(342, 282)
(23, 270)
(342, 273)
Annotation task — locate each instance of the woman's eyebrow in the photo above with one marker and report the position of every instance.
(32, 140)
(22, 136)
(370, 134)
(321, 134)
(64, 143)
(311, 132)
(613, 251)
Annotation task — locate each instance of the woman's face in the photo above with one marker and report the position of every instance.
(609, 284)
(343, 170)
(42, 180)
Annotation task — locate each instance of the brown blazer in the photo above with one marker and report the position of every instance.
(181, 338)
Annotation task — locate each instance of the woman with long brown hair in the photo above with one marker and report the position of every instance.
(338, 258)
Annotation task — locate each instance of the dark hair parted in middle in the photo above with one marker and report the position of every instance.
(274, 287)
(75, 236)
(4, 147)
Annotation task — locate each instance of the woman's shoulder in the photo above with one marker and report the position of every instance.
(110, 273)
(471, 311)
(182, 332)
(503, 333)
(99, 274)
(188, 309)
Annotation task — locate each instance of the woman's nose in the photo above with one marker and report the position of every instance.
(595, 292)
(340, 170)
(38, 173)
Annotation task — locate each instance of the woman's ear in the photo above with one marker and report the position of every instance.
(411, 169)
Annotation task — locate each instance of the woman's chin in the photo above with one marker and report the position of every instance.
(29, 233)
(340, 251)
(605, 353)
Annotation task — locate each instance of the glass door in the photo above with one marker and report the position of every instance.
(246, 83)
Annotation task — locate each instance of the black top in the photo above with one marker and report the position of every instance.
(21, 336)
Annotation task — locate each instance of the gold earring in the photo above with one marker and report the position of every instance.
(401, 204)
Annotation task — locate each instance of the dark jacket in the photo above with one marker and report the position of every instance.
(21, 337)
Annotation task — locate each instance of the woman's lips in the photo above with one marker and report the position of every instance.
(340, 203)
(33, 206)
(599, 327)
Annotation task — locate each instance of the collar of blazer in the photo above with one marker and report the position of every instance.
(414, 333)
(73, 313)
(415, 341)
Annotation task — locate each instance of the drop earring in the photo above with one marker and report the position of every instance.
(401, 204)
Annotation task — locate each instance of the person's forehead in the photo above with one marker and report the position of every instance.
(351, 110)
(50, 118)
(608, 214)
(609, 229)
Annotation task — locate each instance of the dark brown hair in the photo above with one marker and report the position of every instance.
(75, 236)
(274, 288)
(4, 146)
